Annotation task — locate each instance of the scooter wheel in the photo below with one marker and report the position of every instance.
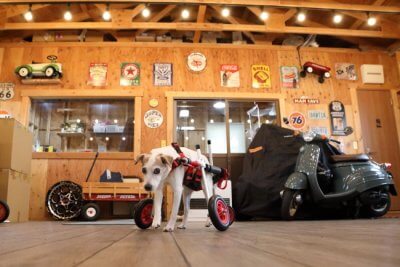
(4, 211)
(380, 209)
(90, 212)
(290, 204)
(144, 213)
(219, 213)
(232, 216)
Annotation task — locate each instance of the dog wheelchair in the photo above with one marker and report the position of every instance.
(4, 211)
(221, 214)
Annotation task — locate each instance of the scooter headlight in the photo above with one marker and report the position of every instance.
(309, 136)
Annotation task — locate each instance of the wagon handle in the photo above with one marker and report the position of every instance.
(91, 168)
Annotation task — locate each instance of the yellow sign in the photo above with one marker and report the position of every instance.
(260, 76)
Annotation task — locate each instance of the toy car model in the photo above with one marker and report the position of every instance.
(311, 67)
(47, 70)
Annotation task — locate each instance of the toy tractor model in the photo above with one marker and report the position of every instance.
(4, 211)
(322, 71)
(52, 70)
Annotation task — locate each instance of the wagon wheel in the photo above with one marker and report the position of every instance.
(143, 215)
(64, 200)
(4, 211)
(219, 213)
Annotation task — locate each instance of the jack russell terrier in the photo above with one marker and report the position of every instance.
(158, 170)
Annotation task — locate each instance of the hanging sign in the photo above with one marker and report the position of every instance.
(305, 100)
(345, 71)
(98, 74)
(316, 115)
(260, 76)
(196, 62)
(162, 74)
(6, 91)
(130, 74)
(230, 75)
(319, 130)
(153, 118)
(297, 120)
(289, 77)
(338, 118)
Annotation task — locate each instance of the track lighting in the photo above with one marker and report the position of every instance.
(146, 12)
(185, 14)
(264, 15)
(225, 12)
(371, 20)
(68, 14)
(28, 14)
(301, 16)
(106, 13)
(337, 18)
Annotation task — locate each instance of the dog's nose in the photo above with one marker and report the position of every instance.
(147, 187)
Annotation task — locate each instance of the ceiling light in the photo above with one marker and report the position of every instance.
(264, 15)
(225, 12)
(191, 120)
(146, 12)
(211, 121)
(68, 14)
(337, 18)
(183, 113)
(28, 14)
(230, 120)
(185, 14)
(219, 105)
(301, 16)
(123, 138)
(106, 13)
(371, 20)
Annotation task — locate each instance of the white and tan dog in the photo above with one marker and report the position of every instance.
(157, 171)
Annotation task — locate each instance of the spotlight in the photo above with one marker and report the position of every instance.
(185, 14)
(68, 14)
(146, 12)
(337, 18)
(371, 20)
(106, 13)
(225, 12)
(264, 15)
(28, 14)
(301, 16)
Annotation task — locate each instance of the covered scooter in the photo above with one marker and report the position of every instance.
(328, 178)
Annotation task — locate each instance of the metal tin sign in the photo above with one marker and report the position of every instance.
(230, 75)
(162, 74)
(153, 118)
(305, 100)
(196, 62)
(290, 77)
(260, 76)
(345, 71)
(98, 74)
(6, 91)
(130, 74)
(319, 130)
(338, 117)
(297, 120)
(317, 115)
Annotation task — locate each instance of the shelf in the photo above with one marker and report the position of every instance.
(71, 134)
(40, 81)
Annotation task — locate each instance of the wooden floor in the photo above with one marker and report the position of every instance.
(276, 243)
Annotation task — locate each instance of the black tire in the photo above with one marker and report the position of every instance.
(219, 213)
(60, 207)
(378, 210)
(232, 216)
(321, 79)
(289, 206)
(90, 212)
(4, 211)
(303, 73)
(143, 215)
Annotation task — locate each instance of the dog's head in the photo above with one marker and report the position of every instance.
(155, 168)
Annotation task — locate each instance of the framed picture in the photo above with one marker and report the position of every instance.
(346, 71)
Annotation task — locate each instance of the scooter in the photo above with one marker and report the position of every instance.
(4, 211)
(326, 177)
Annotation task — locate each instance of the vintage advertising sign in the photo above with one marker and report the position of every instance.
(290, 77)
(260, 76)
(98, 74)
(162, 74)
(130, 74)
(230, 75)
(317, 115)
(338, 118)
(297, 120)
(153, 118)
(305, 100)
(6, 91)
(196, 62)
(346, 71)
(319, 130)
(4, 114)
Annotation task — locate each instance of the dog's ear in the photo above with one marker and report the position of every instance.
(141, 158)
(166, 160)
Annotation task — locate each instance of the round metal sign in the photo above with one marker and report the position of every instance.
(153, 118)
(196, 62)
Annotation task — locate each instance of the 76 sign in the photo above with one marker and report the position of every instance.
(6, 91)
(297, 120)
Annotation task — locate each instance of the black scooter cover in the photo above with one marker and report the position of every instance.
(270, 159)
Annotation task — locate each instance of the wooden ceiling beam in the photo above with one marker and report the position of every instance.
(159, 16)
(19, 10)
(201, 15)
(271, 3)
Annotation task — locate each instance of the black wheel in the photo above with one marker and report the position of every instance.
(290, 204)
(303, 73)
(381, 208)
(49, 72)
(90, 212)
(64, 200)
(219, 213)
(4, 211)
(232, 216)
(321, 79)
(144, 213)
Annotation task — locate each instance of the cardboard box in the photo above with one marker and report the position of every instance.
(15, 188)
(15, 146)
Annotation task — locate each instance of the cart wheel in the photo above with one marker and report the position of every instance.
(321, 79)
(49, 72)
(232, 216)
(23, 72)
(90, 212)
(219, 212)
(144, 213)
(303, 73)
(4, 211)
(64, 200)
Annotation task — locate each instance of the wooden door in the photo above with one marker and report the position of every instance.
(379, 132)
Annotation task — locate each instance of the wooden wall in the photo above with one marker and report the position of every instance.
(77, 57)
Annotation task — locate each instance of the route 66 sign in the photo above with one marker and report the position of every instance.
(196, 62)
(6, 91)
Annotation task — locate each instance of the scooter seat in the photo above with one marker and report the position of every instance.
(343, 158)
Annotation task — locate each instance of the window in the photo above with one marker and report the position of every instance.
(82, 125)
